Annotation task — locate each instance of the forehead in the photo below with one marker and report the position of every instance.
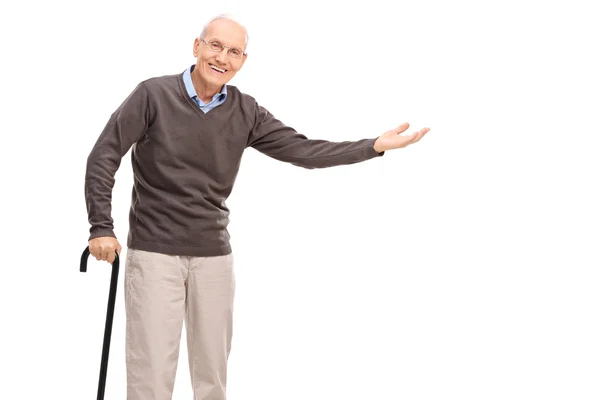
(228, 32)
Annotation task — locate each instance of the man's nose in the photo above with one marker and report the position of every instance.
(222, 55)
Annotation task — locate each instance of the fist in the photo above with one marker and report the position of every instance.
(104, 248)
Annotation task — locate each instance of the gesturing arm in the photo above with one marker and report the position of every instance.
(273, 138)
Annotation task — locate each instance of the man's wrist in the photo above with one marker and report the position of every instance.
(377, 147)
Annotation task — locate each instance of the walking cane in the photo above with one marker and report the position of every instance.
(109, 317)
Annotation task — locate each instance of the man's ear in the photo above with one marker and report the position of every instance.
(196, 47)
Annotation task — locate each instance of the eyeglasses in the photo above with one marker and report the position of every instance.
(218, 47)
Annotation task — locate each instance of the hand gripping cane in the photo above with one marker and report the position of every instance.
(109, 317)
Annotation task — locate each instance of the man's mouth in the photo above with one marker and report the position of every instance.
(215, 68)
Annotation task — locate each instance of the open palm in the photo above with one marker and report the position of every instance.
(393, 139)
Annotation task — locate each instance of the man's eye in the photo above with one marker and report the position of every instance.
(216, 45)
(235, 52)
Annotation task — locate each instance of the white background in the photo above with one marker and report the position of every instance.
(462, 267)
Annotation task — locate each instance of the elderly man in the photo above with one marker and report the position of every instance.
(188, 132)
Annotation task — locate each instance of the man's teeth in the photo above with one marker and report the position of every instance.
(216, 68)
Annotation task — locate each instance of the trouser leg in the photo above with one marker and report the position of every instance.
(155, 307)
(209, 324)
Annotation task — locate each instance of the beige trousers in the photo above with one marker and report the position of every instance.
(161, 291)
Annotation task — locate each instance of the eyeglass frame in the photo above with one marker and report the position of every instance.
(224, 47)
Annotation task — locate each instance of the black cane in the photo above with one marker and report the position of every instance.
(109, 317)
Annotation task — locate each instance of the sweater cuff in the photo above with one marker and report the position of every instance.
(372, 144)
(102, 233)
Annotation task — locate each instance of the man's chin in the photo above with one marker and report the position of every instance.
(220, 81)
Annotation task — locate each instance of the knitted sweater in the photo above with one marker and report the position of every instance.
(185, 163)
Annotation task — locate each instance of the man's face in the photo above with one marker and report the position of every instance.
(217, 68)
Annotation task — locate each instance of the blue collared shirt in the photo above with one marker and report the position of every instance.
(217, 99)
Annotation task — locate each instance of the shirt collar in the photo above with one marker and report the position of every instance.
(191, 91)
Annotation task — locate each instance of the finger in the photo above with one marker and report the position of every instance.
(110, 257)
(419, 135)
(415, 137)
(104, 255)
(423, 132)
(94, 253)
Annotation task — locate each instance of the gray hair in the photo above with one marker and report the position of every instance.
(224, 16)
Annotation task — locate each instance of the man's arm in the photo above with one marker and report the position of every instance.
(273, 138)
(125, 126)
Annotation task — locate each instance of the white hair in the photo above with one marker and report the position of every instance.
(227, 17)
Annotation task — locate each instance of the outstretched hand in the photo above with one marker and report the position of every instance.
(393, 140)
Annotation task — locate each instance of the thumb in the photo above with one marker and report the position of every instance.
(402, 128)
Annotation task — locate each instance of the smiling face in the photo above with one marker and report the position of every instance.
(214, 69)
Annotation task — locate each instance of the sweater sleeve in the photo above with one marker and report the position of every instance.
(125, 126)
(273, 138)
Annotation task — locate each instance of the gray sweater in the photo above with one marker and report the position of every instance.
(185, 163)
